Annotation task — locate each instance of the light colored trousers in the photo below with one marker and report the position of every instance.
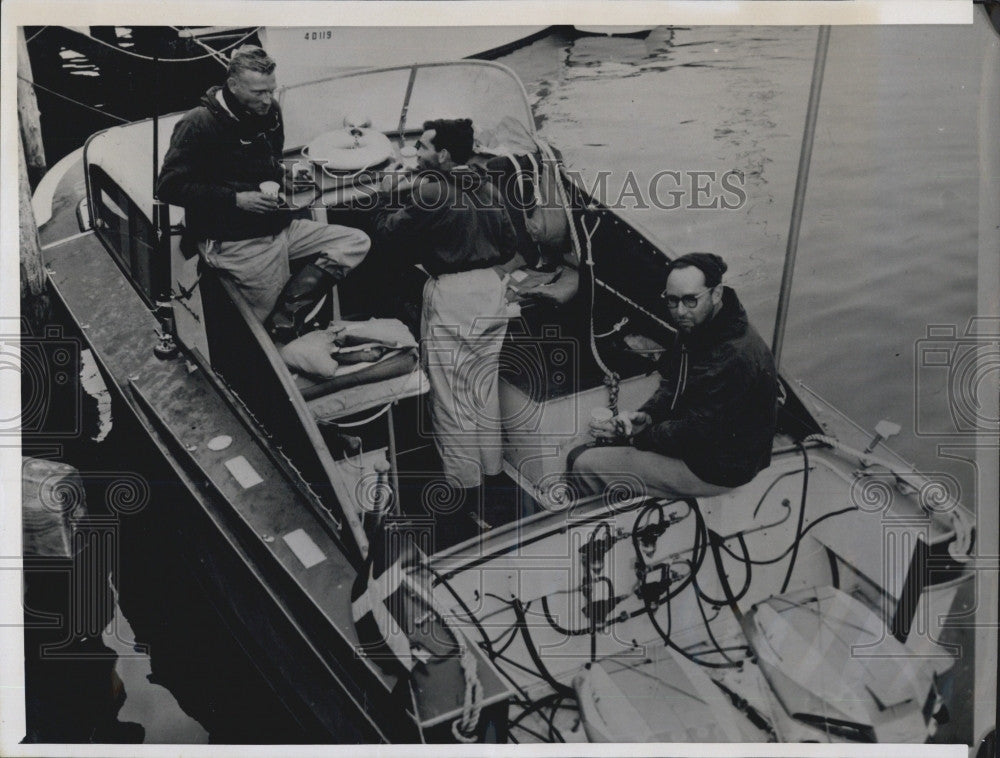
(462, 329)
(261, 266)
(622, 470)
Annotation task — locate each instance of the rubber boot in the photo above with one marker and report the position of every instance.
(297, 299)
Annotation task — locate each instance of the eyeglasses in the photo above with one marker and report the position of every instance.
(689, 301)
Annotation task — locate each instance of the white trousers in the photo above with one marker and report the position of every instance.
(627, 472)
(260, 266)
(462, 329)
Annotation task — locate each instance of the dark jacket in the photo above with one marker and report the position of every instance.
(212, 156)
(453, 221)
(723, 421)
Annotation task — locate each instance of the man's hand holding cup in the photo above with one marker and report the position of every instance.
(264, 201)
(606, 427)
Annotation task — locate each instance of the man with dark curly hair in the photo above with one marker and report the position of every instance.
(454, 224)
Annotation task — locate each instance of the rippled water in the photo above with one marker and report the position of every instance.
(889, 238)
(888, 246)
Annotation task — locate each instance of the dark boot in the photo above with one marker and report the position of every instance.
(297, 299)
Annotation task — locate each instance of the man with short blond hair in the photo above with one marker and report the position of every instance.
(221, 152)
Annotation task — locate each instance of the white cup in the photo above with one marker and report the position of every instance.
(270, 189)
(601, 415)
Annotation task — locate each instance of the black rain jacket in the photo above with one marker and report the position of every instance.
(716, 407)
(212, 156)
(453, 221)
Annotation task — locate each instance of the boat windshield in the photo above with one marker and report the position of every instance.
(401, 99)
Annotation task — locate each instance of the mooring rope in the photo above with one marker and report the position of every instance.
(464, 728)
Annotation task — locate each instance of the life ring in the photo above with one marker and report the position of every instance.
(353, 149)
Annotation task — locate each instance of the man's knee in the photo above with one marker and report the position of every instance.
(343, 245)
(353, 241)
(585, 459)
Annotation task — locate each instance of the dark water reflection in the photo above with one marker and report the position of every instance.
(185, 677)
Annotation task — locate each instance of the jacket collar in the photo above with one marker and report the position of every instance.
(248, 123)
(221, 100)
(728, 323)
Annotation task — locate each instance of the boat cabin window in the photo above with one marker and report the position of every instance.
(128, 234)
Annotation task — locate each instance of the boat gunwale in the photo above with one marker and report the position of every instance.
(221, 516)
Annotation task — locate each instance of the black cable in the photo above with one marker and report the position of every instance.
(555, 700)
(783, 475)
(708, 626)
(510, 641)
(591, 558)
(555, 624)
(551, 720)
(834, 568)
(697, 552)
(665, 635)
(468, 611)
(518, 665)
(727, 648)
(532, 732)
(504, 600)
(535, 658)
(802, 515)
(487, 645)
(784, 554)
(635, 525)
(510, 630)
(714, 541)
(531, 706)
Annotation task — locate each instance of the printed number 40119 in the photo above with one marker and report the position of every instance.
(319, 35)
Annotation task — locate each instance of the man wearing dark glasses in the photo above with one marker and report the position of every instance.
(710, 425)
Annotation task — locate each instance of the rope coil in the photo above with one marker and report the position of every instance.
(464, 728)
(611, 379)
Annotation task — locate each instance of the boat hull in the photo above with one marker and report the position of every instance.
(307, 656)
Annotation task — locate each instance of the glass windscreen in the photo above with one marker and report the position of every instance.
(484, 92)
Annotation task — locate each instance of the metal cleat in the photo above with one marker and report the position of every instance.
(883, 431)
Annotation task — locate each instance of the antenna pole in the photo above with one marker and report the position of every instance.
(805, 157)
(156, 120)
